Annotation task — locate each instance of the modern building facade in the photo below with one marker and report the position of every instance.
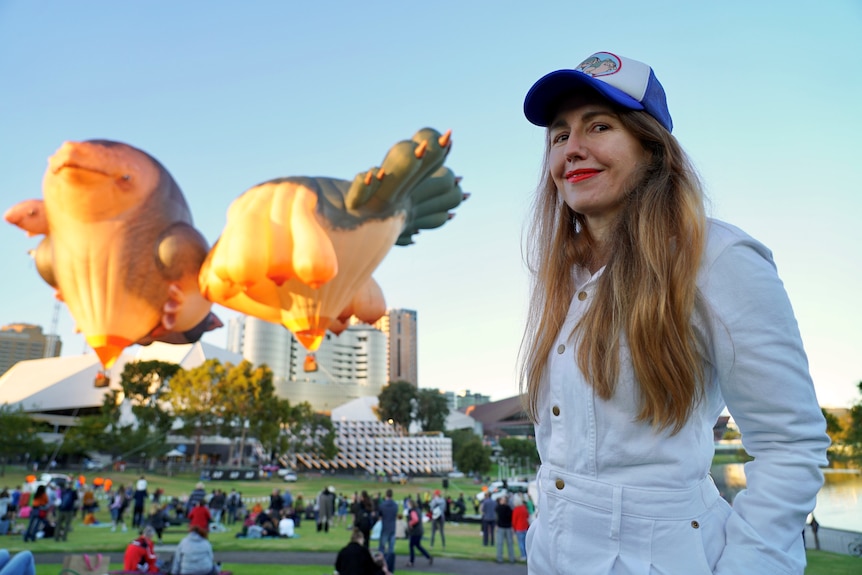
(348, 366)
(399, 325)
(22, 341)
(369, 446)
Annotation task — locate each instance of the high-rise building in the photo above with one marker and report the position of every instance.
(347, 366)
(400, 327)
(20, 341)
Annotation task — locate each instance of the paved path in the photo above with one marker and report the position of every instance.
(441, 564)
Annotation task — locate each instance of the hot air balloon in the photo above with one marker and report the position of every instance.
(298, 250)
(119, 247)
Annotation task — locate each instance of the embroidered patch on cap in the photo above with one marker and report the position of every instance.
(600, 64)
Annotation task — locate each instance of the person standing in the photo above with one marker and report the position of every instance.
(504, 529)
(200, 516)
(325, 508)
(438, 517)
(646, 320)
(388, 525)
(38, 513)
(416, 531)
(119, 502)
(216, 505)
(520, 525)
(232, 503)
(158, 519)
(197, 494)
(66, 512)
(363, 515)
(140, 498)
(489, 520)
(276, 503)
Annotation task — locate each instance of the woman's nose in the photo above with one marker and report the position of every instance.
(574, 149)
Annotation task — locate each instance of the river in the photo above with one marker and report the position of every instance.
(839, 502)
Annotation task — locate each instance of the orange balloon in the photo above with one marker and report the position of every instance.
(118, 240)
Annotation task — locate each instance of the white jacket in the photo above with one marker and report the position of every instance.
(756, 366)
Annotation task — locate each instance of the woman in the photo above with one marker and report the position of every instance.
(194, 555)
(119, 502)
(520, 524)
(38, 513)
(415, 531)
(646, 320)
(363, 516)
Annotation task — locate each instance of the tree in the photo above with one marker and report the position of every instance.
(193, 399)
(397, 402)
(308, 432)
(18, 435)
(515, 449)
(432, 409)
(853, 433)
(90, 434)
(246, 398)
(473, 456)
(459, 437)
(145, 386)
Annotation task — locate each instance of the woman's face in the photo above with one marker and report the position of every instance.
(594, 159)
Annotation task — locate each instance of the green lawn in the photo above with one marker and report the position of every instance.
(463, 540)
(819, 563)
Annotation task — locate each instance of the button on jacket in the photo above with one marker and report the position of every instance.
(618, 497)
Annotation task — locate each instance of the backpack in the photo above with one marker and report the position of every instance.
(363, 519)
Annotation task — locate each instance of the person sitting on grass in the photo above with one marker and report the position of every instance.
(194, 555)
(355, 559)
(286, 524)
(140, 556)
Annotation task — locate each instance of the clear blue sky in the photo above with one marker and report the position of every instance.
(765, 97)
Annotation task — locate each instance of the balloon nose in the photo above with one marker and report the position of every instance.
(311, 338)
(108, 348)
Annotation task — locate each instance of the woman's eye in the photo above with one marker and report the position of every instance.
(559, 138)
(601, 127)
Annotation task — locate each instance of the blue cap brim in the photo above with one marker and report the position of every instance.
(544, 97)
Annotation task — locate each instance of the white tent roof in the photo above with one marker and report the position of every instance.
(67, 382)
(188, 356)
(52, 383)
(360, 409)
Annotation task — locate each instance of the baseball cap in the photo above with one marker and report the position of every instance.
(624, 81)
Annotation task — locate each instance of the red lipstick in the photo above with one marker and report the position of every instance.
(579, 175)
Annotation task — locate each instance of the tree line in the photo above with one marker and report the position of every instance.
(237, 402)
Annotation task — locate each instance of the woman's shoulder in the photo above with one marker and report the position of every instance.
(722, 236)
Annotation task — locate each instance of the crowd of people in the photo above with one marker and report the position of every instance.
(49, 511)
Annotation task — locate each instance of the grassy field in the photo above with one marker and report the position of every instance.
(462, 541)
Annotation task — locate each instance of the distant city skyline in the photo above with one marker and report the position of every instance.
(22, 341)
(229, 96)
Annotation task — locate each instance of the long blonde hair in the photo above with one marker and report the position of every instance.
(647, 291)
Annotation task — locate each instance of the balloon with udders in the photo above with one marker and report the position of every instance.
(300, 251)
